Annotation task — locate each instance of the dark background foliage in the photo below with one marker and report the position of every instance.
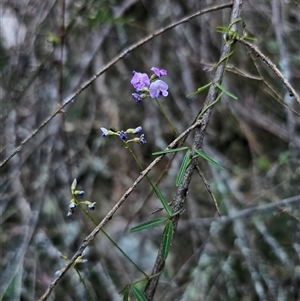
(246, 256)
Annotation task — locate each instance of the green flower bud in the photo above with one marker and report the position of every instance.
(73, 186)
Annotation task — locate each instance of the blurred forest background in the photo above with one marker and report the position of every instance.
(251, 253)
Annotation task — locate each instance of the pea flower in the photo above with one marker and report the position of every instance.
(140, 80)
(159, 72)
(57, 273)
(158, 88)
(138, 97)
(135, 131)
(123, 135)
(106, 132)
(75, 201)
(142, 139)
(72, 205)
(92, 206)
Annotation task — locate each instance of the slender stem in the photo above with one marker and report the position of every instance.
(166, 115)
(112, 241)
(133, 155)
(84, 284)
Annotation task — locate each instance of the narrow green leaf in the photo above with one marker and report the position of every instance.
(225, 58)
(200, 89)
(163, 200)
(173, 150)
(235, 21)
(222, 29)
(207, 158)
(249, 38)
(149, 224)
(185, 163)
(126, 295)
(226, 92)
(138, 294)
(167, 239)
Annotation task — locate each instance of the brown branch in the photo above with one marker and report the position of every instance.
(107, 67)
(182, 191)
(272, 66)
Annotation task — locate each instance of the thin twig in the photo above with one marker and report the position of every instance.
(207, 186)
(245, 213)
(107, 67)
(272, 66)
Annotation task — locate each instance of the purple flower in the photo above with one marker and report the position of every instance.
(137, 97)
(140, 80)
(70, 212)
(104, 132)
(57, 273)
(72, 205)
(92, 206)
(123, 135)
(137, 130)
(159, 72)
(142, 139)
(158, 88)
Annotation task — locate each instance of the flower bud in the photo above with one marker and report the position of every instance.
(74, 184)
(79, 192)
(92, 206)
(57, 273)
(72, 205)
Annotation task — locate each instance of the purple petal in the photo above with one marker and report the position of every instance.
(158, 88)
(137, 97)
(142, 139)
(104, 132)
(140, 80)
(159, 72)
(137, 130)
(123, 135)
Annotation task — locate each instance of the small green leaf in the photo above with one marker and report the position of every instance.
(224, 58)
(173, 150)
(167, 239)
(222, 29)
(138, 294)
(200, 89)
(149, 224)
(249, 38)
(207, 158)
(235, 21)
(163, 200)
(185, 163)
(226, 92)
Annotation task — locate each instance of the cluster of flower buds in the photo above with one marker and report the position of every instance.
(74, 202)
(123, 135)
(80, 259)
(145, 86)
